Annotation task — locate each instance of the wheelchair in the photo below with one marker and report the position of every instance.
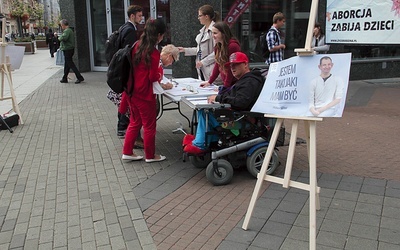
(243, 139)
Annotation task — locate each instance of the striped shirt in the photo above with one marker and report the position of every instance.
(273, 39)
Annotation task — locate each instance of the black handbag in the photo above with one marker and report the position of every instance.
(11, 121)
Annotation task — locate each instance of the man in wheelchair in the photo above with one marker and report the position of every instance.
(241, 96)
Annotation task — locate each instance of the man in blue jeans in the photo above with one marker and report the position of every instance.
(241, 96)
(67, 45)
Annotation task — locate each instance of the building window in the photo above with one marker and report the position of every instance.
(258, 19)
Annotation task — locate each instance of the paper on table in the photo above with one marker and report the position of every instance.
(208, 88)
(195, 102)
(179, 91)
(189, 81)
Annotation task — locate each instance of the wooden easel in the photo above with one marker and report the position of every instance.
(310, 128)
(5, 68)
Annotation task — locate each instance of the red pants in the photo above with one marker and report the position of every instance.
(123, 105)
(143, 113)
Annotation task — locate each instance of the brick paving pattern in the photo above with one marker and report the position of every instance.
(64, 186)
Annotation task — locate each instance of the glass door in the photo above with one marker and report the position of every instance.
(106, 16)
(155, 9)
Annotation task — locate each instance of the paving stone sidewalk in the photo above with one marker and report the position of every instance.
(64, 186)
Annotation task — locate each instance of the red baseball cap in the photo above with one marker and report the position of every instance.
(238, 57)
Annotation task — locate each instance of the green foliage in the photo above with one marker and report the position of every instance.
(23, 39)
(18, 8)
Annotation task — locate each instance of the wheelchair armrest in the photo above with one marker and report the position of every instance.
(223, 115)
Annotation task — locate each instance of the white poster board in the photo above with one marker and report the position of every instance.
(295, 87)
(15, 54)
(363, 22)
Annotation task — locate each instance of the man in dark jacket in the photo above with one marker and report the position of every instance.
(128, 36)
(49, 42)
(128, 32)
(241, 96)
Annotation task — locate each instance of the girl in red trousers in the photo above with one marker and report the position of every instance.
(142, 103)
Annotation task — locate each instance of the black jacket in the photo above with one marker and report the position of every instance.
(244, 93)
(128, 34)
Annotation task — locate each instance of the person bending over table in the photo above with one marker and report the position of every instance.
(169, 55)
(241, 96)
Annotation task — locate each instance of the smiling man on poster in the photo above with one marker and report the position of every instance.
(326, 91)
(306, 86)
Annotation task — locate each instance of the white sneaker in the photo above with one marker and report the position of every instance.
(132, 158)
(156, 160)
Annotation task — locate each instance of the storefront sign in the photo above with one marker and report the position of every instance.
(236, 10)
(363, 22)
(298, 87)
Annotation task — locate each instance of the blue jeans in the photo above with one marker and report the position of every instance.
(200, 139)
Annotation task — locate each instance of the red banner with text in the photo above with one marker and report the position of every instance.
(236, 10)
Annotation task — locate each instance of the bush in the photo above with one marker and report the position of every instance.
(23, 39)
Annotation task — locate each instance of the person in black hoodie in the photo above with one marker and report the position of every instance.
(241, 96)
(49, 42)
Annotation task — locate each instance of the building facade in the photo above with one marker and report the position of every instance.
(94, 20)
(51, 13)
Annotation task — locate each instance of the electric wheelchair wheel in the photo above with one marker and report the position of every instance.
(200, 161)
(222, 175)
(255, 161)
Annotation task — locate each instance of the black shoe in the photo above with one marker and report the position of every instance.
(121, 133)
(64, 81)
(52, 55)
(79, 81)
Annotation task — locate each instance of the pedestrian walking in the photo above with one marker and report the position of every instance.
(50, 43)
(67, 45)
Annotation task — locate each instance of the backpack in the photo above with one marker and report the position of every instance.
(112, 45)
(264, 43)
(119, 70)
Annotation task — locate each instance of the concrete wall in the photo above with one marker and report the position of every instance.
(184, 28)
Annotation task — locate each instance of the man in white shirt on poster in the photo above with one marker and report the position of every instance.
(326, 91)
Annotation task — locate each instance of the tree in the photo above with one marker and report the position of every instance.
(22, 11)
(36, 12)
(18, 11)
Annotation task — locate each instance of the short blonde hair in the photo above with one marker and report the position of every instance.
(171, 49)
(278, 17)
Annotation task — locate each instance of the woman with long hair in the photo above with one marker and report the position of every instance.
(204, 51)
(142, 103)
(318, 40)
(225, 45)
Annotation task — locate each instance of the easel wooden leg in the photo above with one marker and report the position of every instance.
(263, 171)
(313, 184)
(6, 71)
(2, 84)
(290, 156)
(308, 139)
